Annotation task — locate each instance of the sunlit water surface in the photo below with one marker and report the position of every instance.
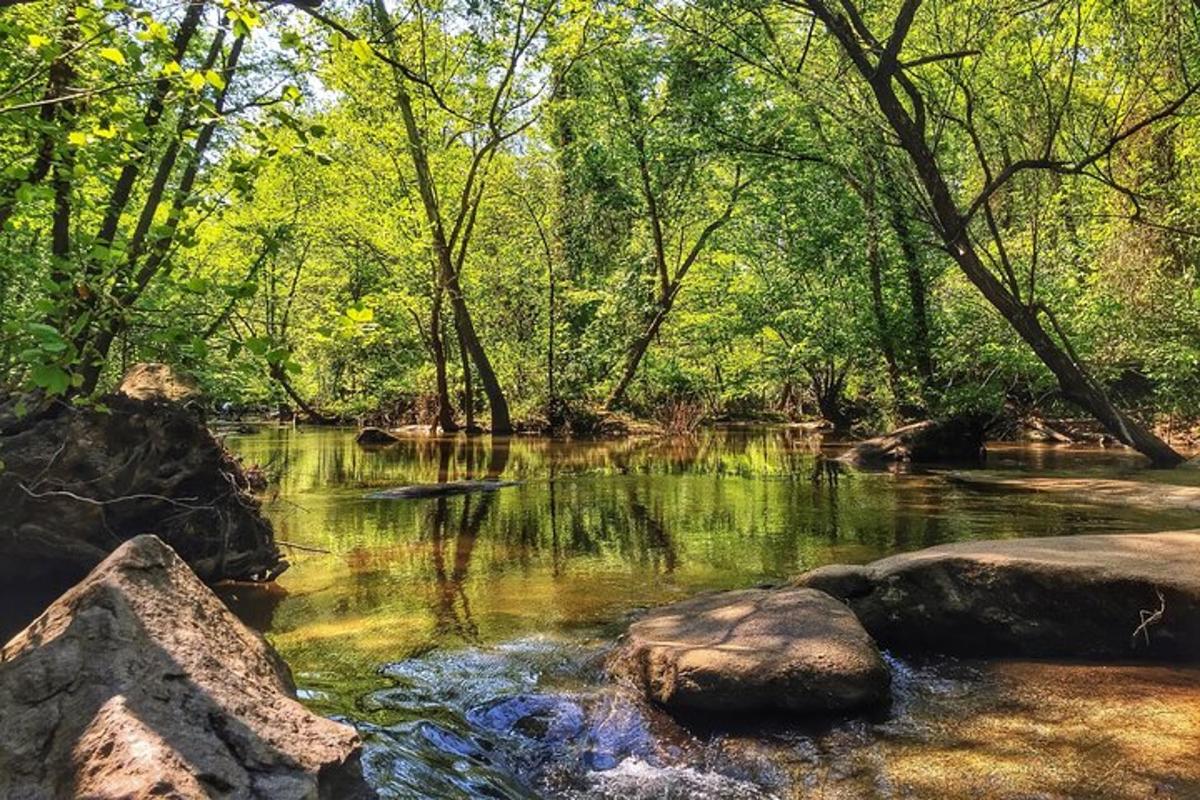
(465, 636)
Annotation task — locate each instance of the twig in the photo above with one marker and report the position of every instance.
(1149, 618)
(303, 547)
(97, 502)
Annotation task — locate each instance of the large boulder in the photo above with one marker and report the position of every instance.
(76, 482)
(139, 683)
(955, 440)
(790, 650)
(1103, 596)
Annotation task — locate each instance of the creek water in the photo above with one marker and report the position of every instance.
(465, 636)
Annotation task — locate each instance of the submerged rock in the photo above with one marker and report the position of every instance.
(375, 437)
(78, 482)
(1103, 596)
(794, 650)
(138, 682)
(957, 440)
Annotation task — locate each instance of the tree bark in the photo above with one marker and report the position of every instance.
(437, 343)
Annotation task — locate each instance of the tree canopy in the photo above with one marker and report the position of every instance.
(453, 211)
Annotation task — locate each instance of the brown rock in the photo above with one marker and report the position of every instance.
(1072, 596)
(958, 440)
(78, 482)
(795, 650)
(374, 437)
(158, 383)
(139, 683)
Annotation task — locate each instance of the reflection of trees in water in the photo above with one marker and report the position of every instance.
(452, 606)
(655, 539)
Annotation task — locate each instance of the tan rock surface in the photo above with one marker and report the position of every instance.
(138, 683)
(795, 650)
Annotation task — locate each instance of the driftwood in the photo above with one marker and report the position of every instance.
(419, 490)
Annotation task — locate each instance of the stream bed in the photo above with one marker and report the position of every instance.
(465, 635)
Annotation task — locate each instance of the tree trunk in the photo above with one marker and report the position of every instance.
(280, 375)
(917, 294)
(638, 349)
(468, 402)
(445, 411)
(501, 422)
(878, 309)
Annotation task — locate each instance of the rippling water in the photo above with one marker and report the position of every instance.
(465, 636)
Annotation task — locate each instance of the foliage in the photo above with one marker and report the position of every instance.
(667, 206)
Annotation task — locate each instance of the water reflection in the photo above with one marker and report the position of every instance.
(462, 633)
(592, 531)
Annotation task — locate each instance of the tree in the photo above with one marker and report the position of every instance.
(968, 229)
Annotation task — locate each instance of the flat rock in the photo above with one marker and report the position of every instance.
(956, 440)
(139, 683)
(1106, 491)
(1069, 596)
(792, 650)
(418, 490)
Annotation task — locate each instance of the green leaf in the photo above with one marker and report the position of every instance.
(114, 55)
(37, 41)
(358, 313)
(258, 345)
(290, 40)
(362, 49)
(51, 377)
(215, 79)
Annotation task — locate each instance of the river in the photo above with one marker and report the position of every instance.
(465, 636)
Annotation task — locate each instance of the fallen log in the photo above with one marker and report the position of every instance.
(419, 490)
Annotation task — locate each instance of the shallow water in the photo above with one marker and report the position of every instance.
(465, 635)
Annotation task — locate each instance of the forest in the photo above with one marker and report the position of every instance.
(596, 399)
(525, 214)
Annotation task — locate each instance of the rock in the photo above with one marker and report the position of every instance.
(158, 383)
(793, 650)
(375, 437)
(78, 482)
(1104, 491)
(1070, 596)
(419, 490)
(959, 439)
(138, 683)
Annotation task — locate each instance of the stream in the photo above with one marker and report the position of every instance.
(465, 636)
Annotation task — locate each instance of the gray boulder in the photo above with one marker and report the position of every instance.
(790, 650)
(1103, 596)
(138, 683)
